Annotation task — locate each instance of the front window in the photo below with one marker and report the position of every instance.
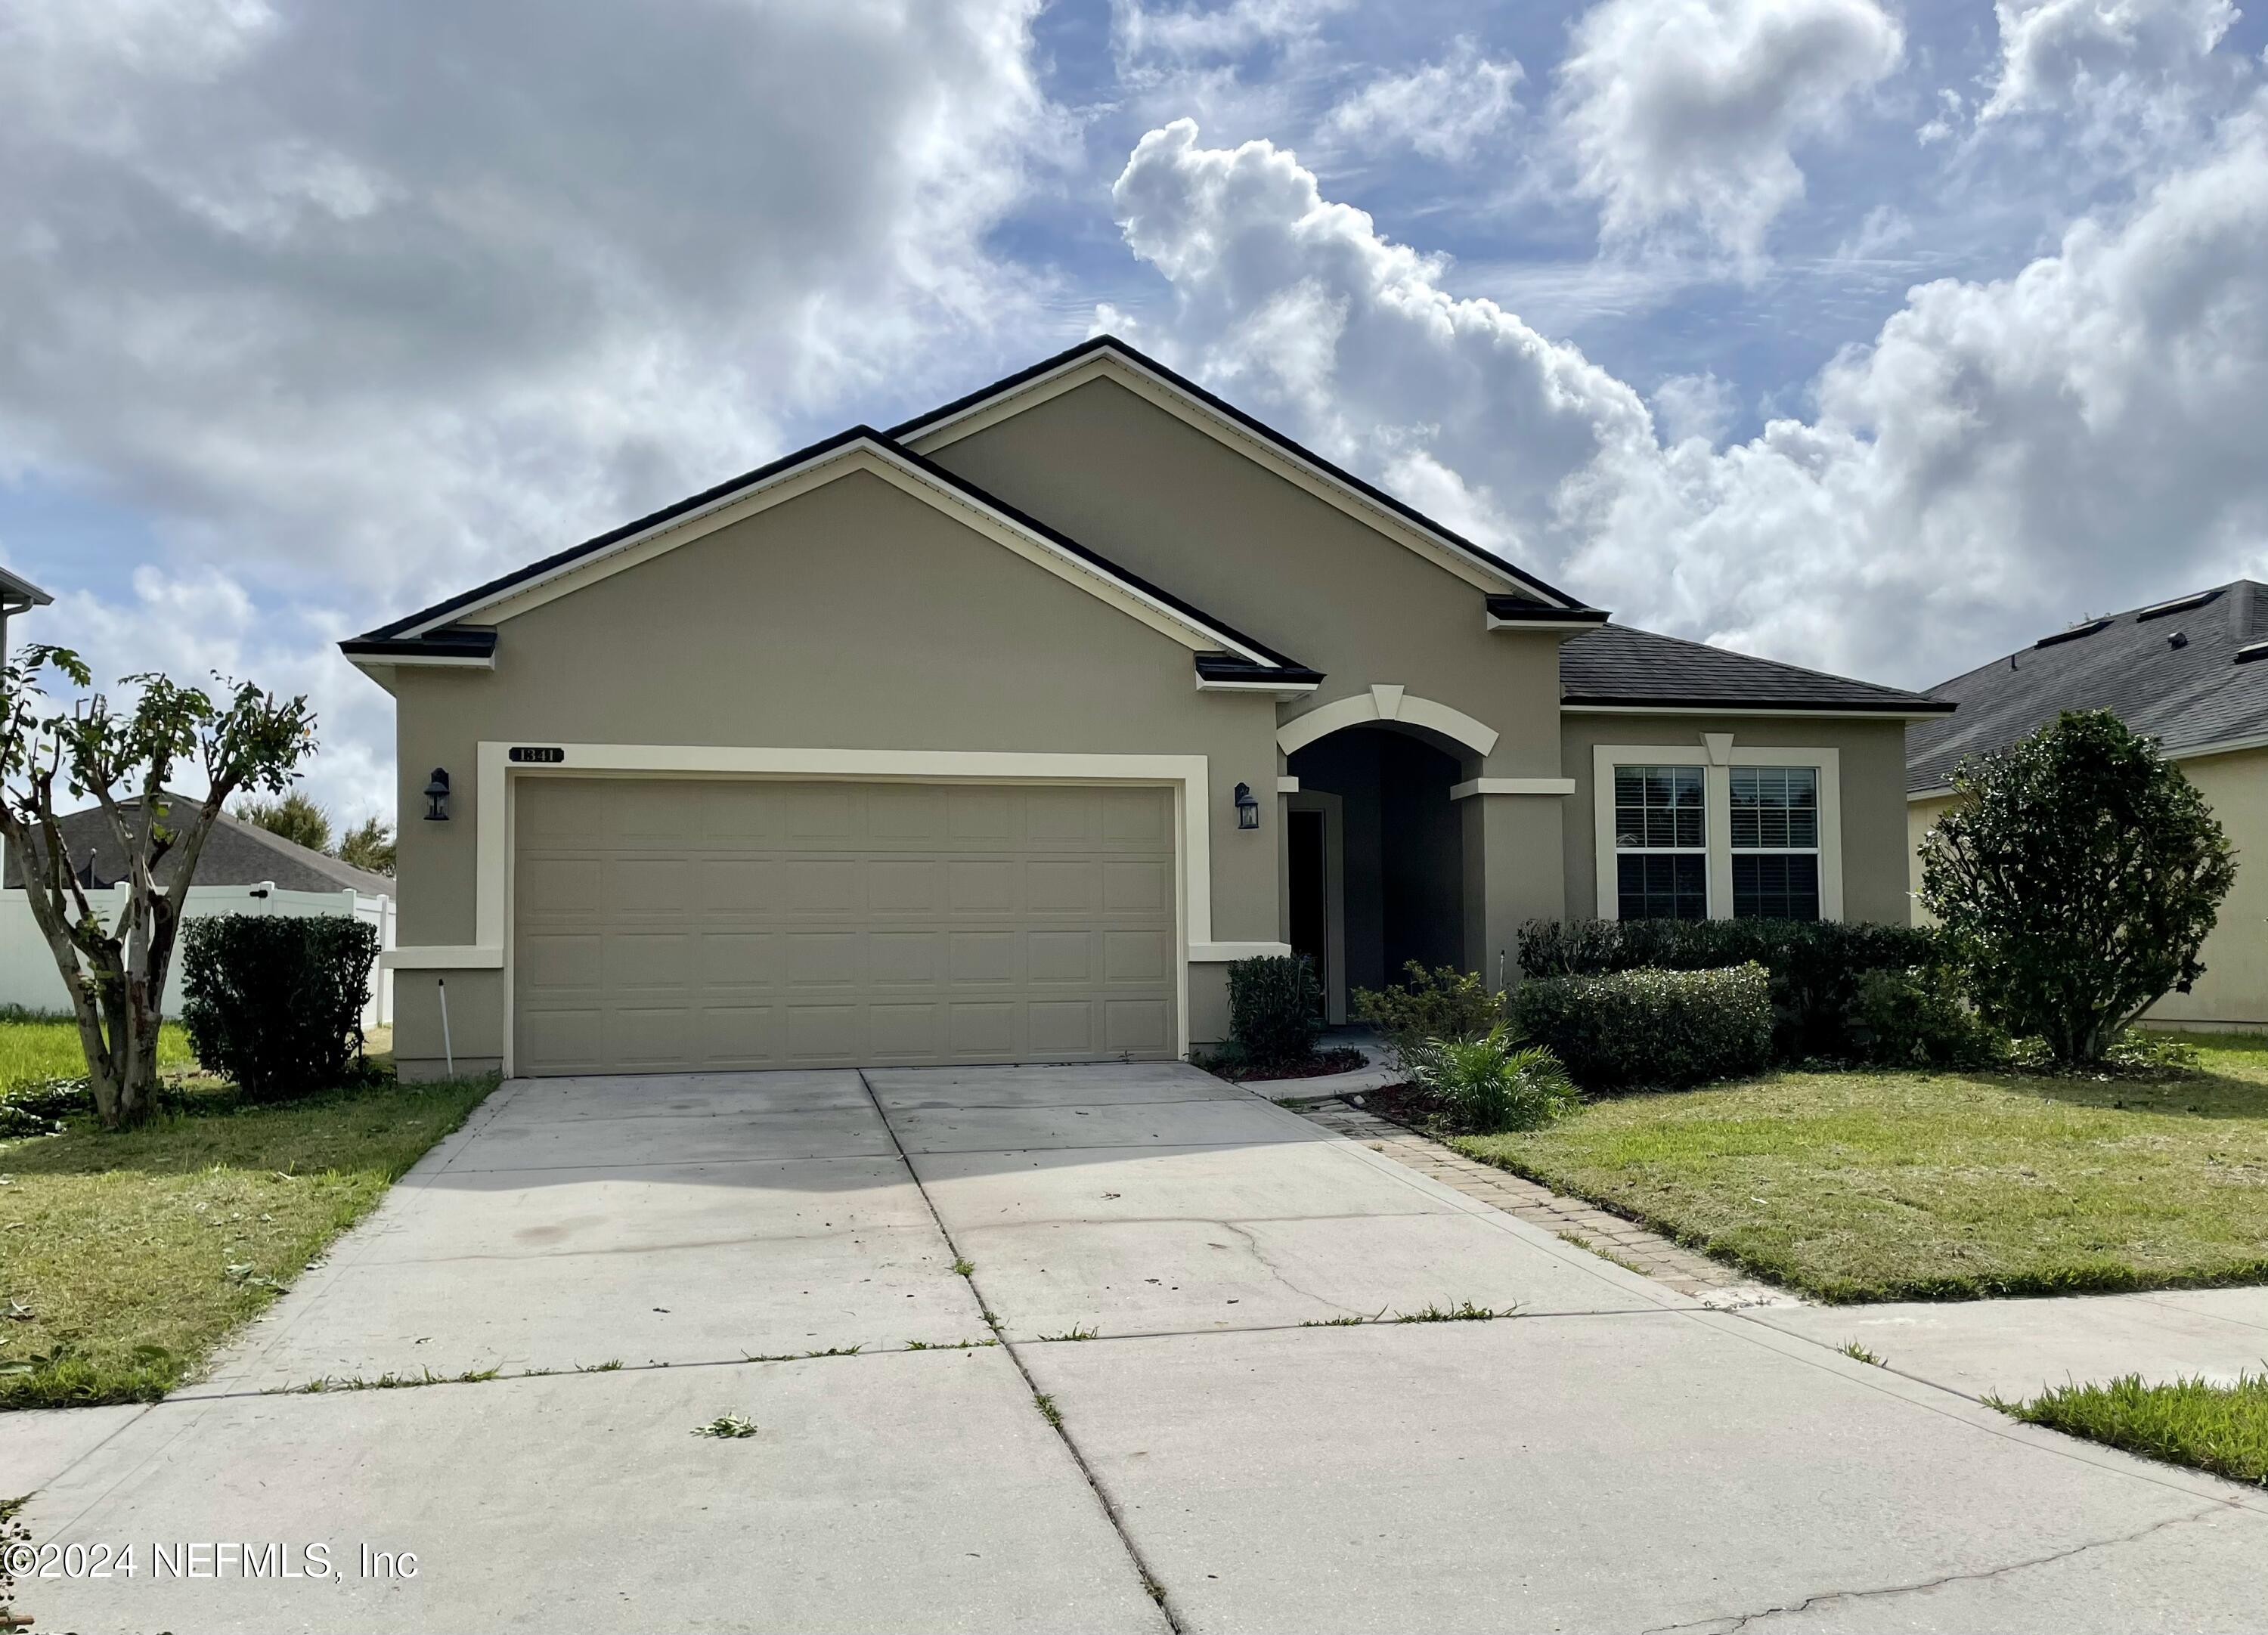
(1775, 842)
(1661, 853)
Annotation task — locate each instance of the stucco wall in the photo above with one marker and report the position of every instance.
(851, 617)
(1121, 476)
(2233, 990)
(1872, 758)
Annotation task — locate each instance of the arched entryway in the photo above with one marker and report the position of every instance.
(1374, 856)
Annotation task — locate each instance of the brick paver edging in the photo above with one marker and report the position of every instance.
(1624, 1241)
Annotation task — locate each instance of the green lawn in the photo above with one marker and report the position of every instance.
(1869, 1186)
(135, 1253)
(2221, 1428)
(33, 1047)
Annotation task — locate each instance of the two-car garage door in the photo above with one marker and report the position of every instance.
(681, 925)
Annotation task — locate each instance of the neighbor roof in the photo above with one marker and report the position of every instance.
(1621, 666)
(2182, 671)
(237, 853)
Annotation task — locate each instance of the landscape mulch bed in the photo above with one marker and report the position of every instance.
(1323, 1064)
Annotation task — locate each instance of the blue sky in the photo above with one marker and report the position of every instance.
(1876, 336)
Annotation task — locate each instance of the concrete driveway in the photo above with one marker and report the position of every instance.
(1251, 1442)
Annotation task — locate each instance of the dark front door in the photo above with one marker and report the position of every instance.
(1310, 874)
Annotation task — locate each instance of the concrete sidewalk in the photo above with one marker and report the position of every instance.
(2013, 1348)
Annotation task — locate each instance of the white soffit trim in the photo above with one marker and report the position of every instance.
(1511, 786)
(1385, 703)
(1221, 952)
(1135, 377)
(1282, 689)
(443, 958)
(1287, 785)
(863, 455)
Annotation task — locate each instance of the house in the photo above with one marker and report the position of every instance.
(2185, 672)
(17, 595)
(236, 853)
(243, 869)
(996, 736)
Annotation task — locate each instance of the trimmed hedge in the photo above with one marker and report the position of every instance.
(276, 1004)
(1275, 1009)
(1814, 966)
(1652, 1029)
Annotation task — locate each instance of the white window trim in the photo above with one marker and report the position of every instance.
(1716, 755)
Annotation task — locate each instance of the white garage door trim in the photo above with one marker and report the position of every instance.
(1185, 775)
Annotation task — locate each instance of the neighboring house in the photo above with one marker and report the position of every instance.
(17, 595)
(2182, 671)
(997, 736)
(243, 869)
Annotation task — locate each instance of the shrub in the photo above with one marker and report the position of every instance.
(2077, 878)
(1920, 1018)
(276, 1004)
(1443, 1004)
(1814, 966)
(1651, 1028)
(1275, 1007)
(1495, 1083)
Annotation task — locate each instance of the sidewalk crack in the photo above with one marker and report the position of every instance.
(1730, 1624)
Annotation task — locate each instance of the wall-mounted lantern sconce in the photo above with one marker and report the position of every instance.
(437, 798)
(1247, 809)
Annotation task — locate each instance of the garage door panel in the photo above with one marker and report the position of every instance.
(740, 886)
(897, 958)
(1059, 958)
(819, 958)
(1137, 1026)
(637, 960)
(905, 884)
(702, 923)
(1138, 888)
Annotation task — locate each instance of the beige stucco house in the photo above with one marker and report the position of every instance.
(996, 736)
(2184, 671)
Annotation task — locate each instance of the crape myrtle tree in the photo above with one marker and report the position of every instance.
(244, 739)
(2077, 873)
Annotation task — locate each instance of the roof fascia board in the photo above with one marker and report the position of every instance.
(1849, 712)
(865, 454)
(1137, 377)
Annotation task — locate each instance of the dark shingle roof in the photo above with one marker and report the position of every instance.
(2188, 695)
(1618, 664)
(237, 853)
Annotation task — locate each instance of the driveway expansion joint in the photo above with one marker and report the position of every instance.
(1149, 1580)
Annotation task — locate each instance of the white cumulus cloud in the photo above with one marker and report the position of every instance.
(1683, 116)
(2084, 433)
(2112, 57)
(1444, 110)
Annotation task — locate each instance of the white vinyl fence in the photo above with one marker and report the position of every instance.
(28, 977)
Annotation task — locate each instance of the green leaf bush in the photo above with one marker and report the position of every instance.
(2077, 878)
(1814, 966)
(1444, 1004)
(1922, 1017)
(1651, 1030)
(1495, 1083)
(1274, 1010)
(276, 1004)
